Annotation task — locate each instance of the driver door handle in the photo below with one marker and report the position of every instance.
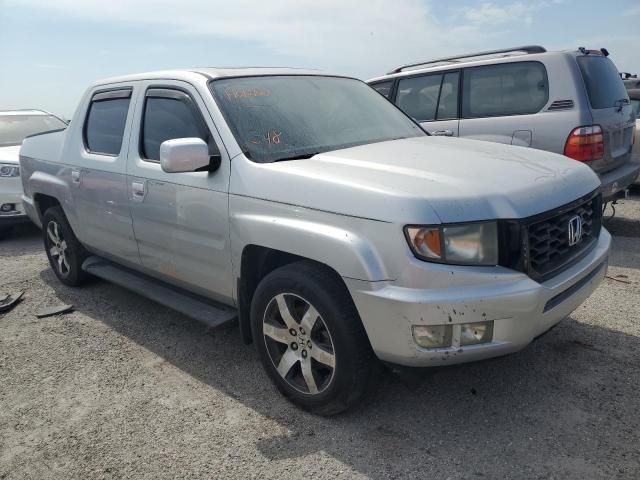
(138, 191)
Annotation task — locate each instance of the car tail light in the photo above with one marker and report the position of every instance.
(585, 144)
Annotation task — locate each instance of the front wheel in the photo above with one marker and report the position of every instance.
(311, 340)
(63, 249)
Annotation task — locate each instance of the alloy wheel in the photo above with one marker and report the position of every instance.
(58, 248)
(299, 343)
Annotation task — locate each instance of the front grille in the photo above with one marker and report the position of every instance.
(540, 245)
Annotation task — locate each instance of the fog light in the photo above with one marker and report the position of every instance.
(7, 207)
(475, 333)
(432, 336)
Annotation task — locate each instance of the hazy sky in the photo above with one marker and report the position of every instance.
(51, 50)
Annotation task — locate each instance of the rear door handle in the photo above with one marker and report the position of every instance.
(138, 191)
(442, 133)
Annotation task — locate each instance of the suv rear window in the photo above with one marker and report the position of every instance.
(604, 86)
(518, 88)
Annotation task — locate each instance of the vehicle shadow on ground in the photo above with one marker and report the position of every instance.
(555, 404)
(25, 239)
(623, 227)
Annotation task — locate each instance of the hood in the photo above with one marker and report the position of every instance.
(10, 154)
(424, 180)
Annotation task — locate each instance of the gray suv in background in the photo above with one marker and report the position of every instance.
(570, 102)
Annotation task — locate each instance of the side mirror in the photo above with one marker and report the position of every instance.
(184, 155)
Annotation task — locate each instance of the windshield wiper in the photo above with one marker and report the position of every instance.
(302, 156)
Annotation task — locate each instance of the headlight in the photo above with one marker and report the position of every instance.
(462, 244)
(9, 171)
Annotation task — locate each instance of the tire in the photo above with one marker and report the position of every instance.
(336, 337)
(64, 251)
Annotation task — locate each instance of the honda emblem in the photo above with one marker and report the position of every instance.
(575, 230)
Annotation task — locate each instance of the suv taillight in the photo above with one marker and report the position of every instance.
(585, 144)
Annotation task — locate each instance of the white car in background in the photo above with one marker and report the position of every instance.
(15, 125)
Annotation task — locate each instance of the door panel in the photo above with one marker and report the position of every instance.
(499, 130)
(181, 219)
(99, 184)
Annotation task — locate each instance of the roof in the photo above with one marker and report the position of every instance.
(210, 73)
(24, 112)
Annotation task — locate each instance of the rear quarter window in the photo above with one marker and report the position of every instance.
(383, 88)
(517, 88)
(602, 81)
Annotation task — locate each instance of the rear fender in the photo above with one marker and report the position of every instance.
(55, 186)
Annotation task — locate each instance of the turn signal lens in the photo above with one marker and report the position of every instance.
(427, 242)
(461, 244)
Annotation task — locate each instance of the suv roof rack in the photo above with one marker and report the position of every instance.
(526, 49)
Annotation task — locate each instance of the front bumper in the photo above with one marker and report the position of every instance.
(11, 193)
(521, 308)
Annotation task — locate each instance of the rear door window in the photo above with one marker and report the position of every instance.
(505, 89)
(418, 96)
(604, 85)
(106, 120)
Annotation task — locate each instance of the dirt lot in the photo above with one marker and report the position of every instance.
(125, 388)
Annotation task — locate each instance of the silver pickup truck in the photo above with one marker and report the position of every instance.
(320, 217)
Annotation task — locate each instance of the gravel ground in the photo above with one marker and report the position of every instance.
(123, 387)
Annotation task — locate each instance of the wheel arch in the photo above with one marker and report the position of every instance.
(48, 190)
(43, 202)
(256, 263)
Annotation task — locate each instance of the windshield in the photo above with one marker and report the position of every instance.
(285, 117)
(604, 85)
(13, 128)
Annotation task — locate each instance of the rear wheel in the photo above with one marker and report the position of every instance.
(311, 340)
(63, 249)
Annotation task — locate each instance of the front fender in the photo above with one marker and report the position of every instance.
(340, 242)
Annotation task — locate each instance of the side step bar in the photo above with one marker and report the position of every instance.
(207, 311)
